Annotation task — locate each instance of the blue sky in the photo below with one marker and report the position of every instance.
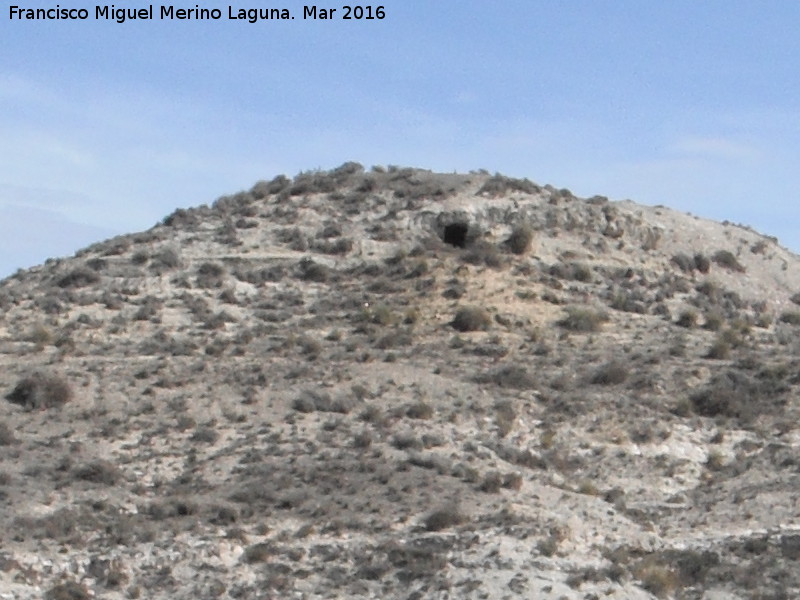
(105, 128)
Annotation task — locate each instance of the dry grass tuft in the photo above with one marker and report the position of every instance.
(41, 391)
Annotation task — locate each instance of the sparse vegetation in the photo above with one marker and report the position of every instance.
(311, 401)
(508, 376)
(303, 414)
(583, 319)
(737, 395)
(483, 253)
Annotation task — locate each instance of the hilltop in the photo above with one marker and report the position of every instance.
(393, 383)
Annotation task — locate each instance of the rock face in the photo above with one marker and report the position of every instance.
(401, 384)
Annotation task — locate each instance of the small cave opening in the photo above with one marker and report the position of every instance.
(455, 234)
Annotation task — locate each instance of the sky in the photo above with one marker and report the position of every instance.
(107, 127)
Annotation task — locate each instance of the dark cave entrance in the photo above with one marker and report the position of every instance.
(455, 234)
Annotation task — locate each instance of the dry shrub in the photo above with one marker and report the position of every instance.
(210, 275)
(205, 435)
(582, 319)
(720, 349)
(684, 262)
(419, 410)
(611, 373)
(657, 579)
(492, 482)
(99, 471)
(505, 416)
(312, 400)
(79, 277)
(165, 259)
(702, 263)
(40, 390)
(726, 259)
(182, 217)
(791, 317)
(312, 271)
(69, 590)
(6, 435)
(500, 185)
(335, 247)
(258, 553)
(443, 518)
(687, 318)
(483, 253)
(471, 318)
(737, 395)
(520, 240)
(509, 376)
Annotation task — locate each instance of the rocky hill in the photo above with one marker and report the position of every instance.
(400, 384)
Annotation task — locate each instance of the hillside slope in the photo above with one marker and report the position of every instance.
(402, 384)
